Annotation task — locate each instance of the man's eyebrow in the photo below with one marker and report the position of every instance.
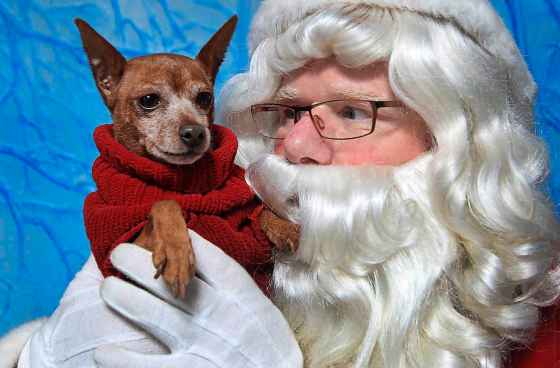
(285, 93)
(347, 93)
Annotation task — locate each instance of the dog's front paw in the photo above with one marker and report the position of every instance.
(174, 260)
(282, 233)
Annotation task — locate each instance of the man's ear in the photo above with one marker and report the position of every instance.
(106, 63)
(212, 54)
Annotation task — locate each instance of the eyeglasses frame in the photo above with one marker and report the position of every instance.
(298, 110)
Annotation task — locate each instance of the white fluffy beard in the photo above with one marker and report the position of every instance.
(368, 272)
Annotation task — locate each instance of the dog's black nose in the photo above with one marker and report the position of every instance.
(193, 135)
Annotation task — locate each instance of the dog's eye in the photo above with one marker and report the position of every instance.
(204, 99)
(149, 102)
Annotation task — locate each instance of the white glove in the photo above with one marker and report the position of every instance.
(81, 323)
(225, 320)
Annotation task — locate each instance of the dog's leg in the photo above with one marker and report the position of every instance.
(166, 236)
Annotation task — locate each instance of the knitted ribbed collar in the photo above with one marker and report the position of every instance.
(208, 173)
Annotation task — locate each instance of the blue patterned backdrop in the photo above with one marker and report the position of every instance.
(49, 107)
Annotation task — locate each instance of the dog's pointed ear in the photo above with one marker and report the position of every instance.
(106, 63)
(212, 54)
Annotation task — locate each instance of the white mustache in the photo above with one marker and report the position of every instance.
(274, 181)
(284, 187)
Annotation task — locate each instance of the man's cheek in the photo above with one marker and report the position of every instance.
(357, 152)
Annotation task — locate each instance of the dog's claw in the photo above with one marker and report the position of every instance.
(160, 267)
(178, 289)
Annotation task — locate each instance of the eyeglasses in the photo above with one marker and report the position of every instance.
(335, 119)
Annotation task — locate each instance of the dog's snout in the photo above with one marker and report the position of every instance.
(193, 135)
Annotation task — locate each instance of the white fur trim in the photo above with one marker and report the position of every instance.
(12, 344)
(476, 17)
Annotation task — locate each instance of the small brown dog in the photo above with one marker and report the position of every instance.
(162, 106)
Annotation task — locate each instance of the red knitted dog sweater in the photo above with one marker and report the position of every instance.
(216, 201)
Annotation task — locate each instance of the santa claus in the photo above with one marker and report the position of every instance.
(425, 241)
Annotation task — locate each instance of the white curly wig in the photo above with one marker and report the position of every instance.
(463, 295)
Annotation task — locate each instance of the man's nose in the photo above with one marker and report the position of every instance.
(304, 145)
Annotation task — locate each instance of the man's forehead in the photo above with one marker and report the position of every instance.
(327, 78)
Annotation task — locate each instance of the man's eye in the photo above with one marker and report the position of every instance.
(204, 100)
(289, 114)
(149, 102)
(353, 113)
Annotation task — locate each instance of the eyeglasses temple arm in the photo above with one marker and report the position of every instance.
(388, 104)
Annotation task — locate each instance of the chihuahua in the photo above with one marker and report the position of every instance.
(162, 107)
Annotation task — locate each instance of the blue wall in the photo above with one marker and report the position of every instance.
(49, 107)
